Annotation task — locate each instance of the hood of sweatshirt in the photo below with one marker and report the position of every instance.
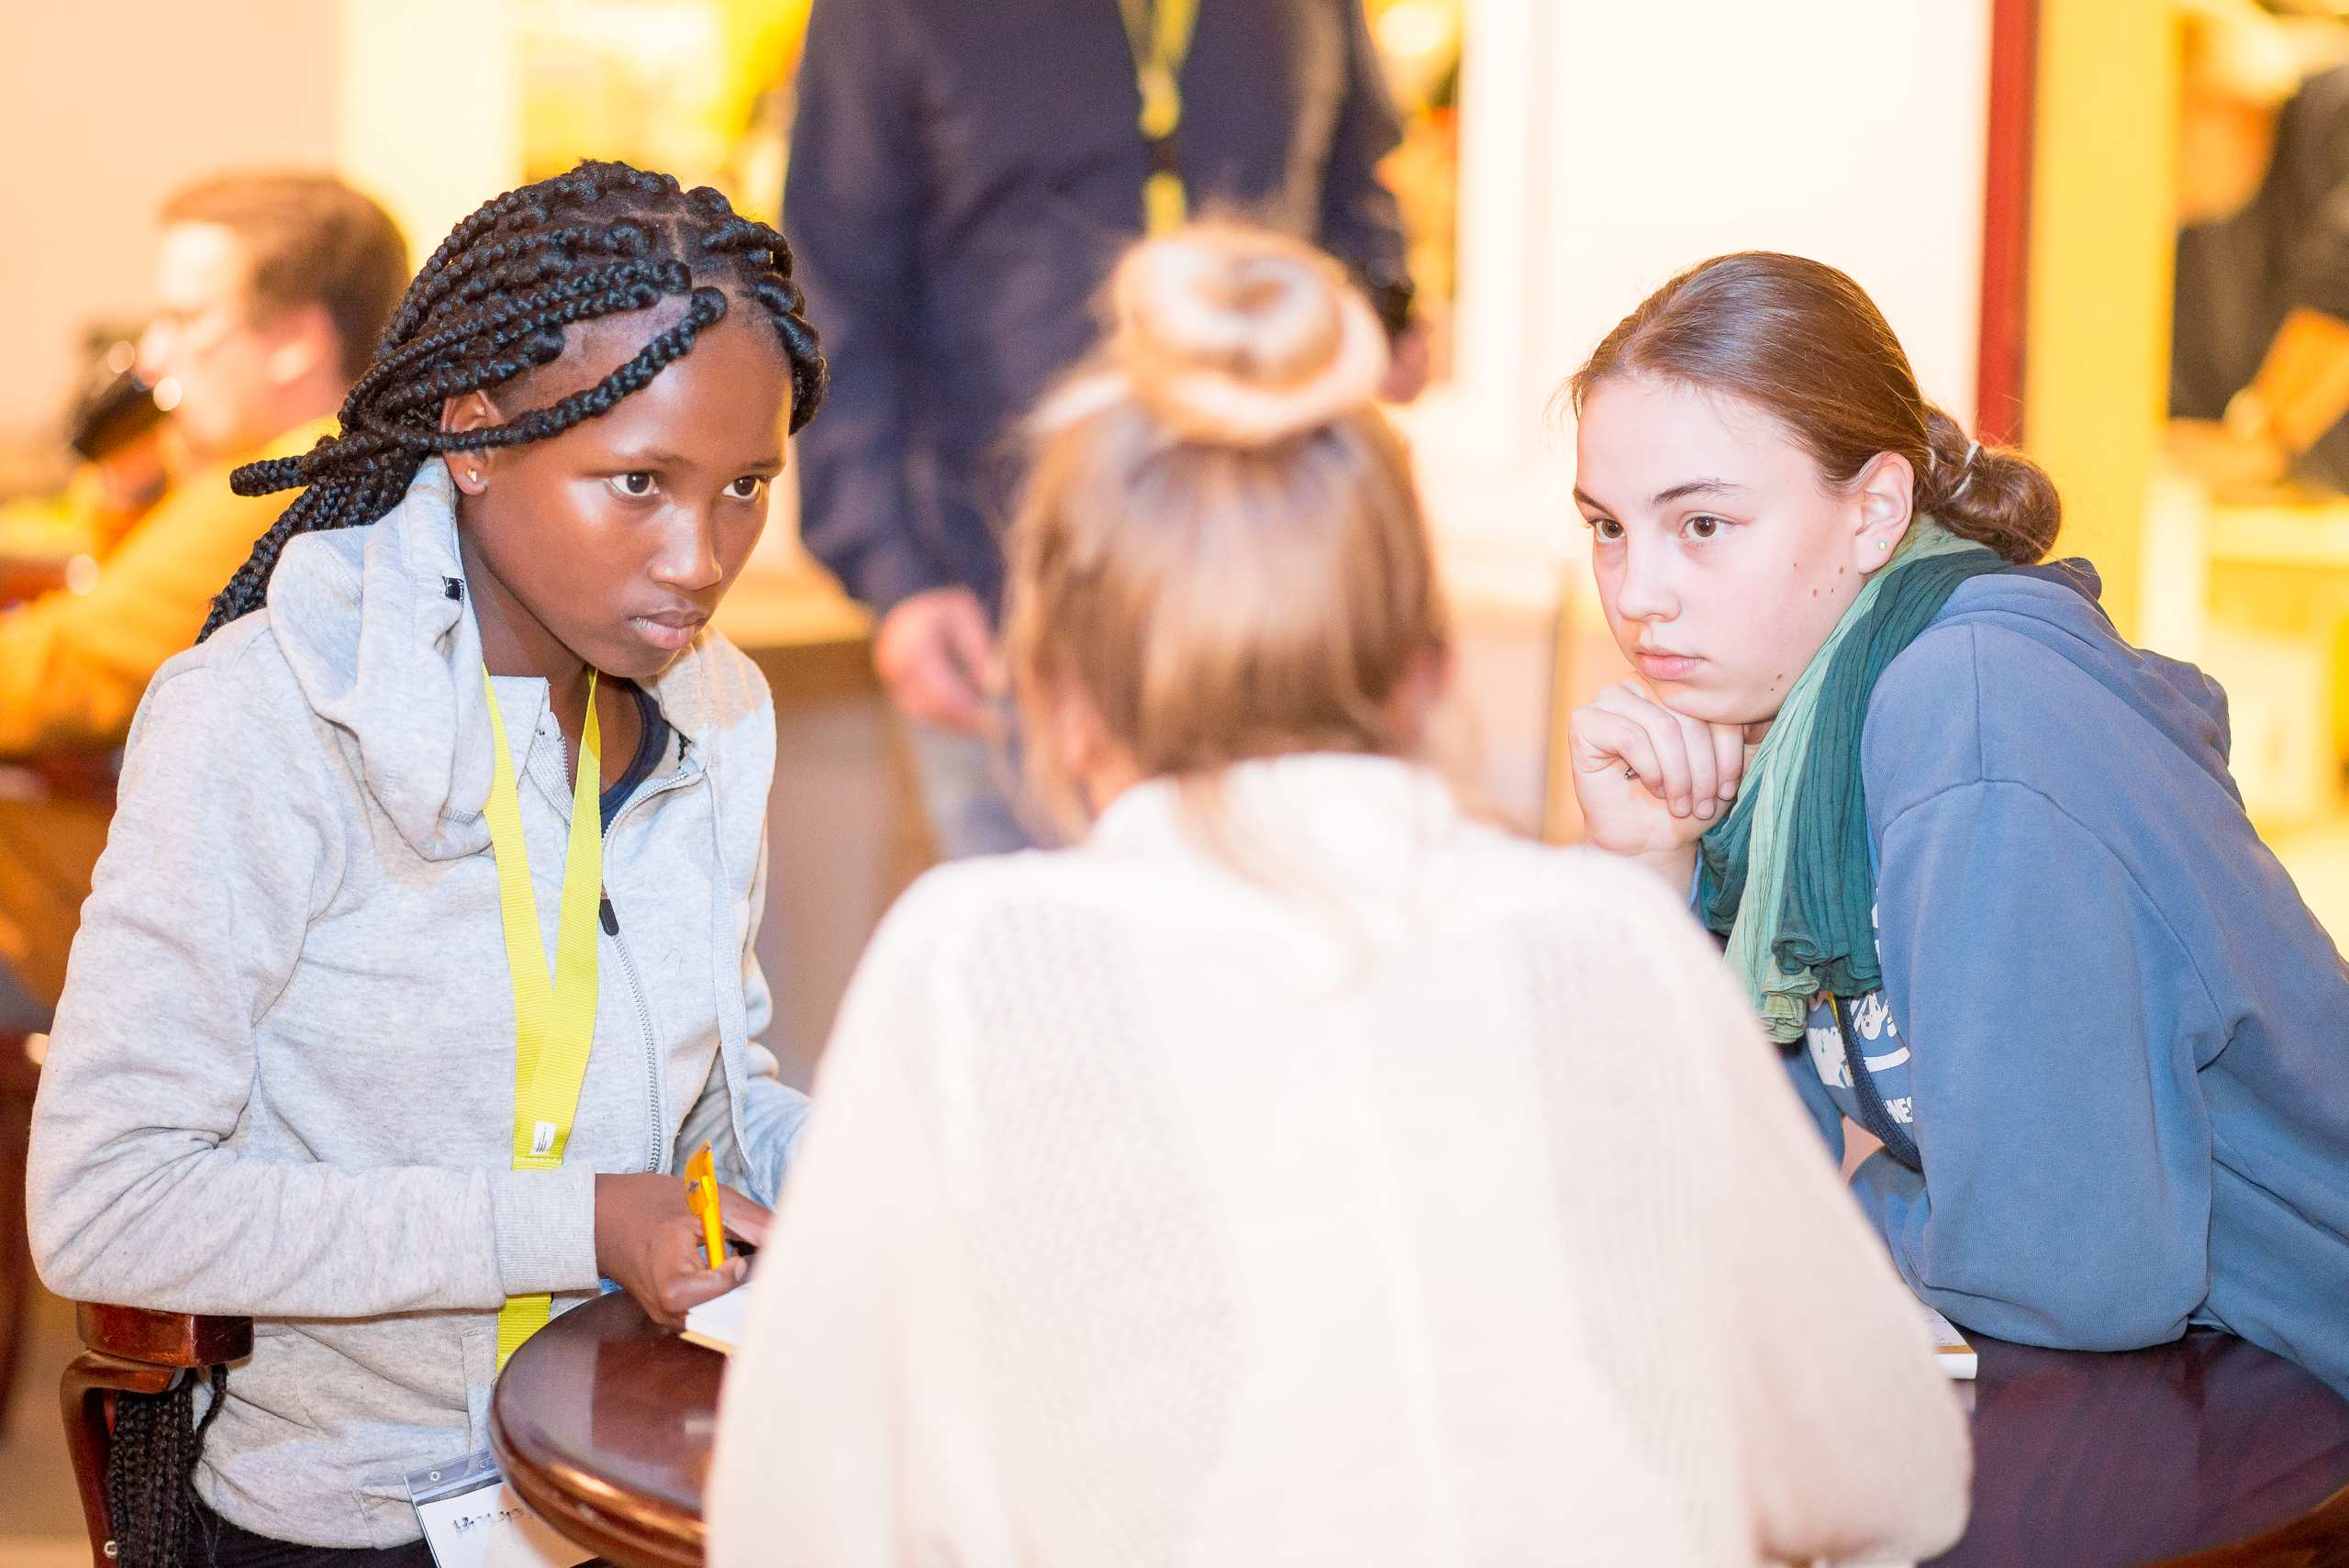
(376, 625)
(2058, 606)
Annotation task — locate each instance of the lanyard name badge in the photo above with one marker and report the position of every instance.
(554, 1018)
(1158, 35)
(471, 1518)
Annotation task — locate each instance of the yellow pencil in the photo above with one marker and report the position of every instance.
(701, 1196)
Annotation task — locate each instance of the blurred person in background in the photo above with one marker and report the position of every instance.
(961, 181)
(271, 291)
(2259, 347)
(117, 441)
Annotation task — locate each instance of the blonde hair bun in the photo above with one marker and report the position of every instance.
(1238, 337)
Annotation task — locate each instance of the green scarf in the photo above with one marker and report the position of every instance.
(1785, 876)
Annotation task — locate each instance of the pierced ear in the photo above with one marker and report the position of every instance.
(473, 411)
(1883, 502)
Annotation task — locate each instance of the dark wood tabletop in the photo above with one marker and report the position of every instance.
(603, 1421)
(2209, 1452)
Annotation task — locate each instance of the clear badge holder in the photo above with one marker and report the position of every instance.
(471, 1518)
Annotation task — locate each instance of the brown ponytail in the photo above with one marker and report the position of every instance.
(1803, 343)
(1993, 495)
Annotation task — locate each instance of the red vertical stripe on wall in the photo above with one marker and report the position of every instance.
(2005, 219)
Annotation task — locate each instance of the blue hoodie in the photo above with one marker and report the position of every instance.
(2112, 1039)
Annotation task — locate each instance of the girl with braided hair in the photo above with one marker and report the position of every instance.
(421, 954)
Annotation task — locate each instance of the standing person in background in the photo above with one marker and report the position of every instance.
(2259, 343)
(962, 178)
(271, 292)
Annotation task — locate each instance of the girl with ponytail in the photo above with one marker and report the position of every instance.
(1978, 862)
(420, 956)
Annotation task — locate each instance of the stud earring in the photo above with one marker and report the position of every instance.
(473, 474)
(1880, 544)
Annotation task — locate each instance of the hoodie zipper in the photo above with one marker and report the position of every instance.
(655, 1161)
(659, 1158)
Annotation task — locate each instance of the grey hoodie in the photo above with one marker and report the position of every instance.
(281, 1082)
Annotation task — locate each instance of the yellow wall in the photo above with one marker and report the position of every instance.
(432, 136)
(2096, 379)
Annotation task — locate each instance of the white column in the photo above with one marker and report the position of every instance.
(428, 117)
(1604, 147)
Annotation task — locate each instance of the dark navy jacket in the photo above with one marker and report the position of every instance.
(962, 175)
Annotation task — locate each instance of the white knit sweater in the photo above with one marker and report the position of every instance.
(1425, 1198)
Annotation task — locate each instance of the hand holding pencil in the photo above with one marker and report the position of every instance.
(657, 1247)
(701, 1196)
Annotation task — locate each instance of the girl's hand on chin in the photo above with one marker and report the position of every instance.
(1651, 781)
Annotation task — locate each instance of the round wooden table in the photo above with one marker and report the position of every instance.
(2209, 1452)
(603, 1421)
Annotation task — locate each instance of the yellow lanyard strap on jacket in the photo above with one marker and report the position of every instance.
(554, 1020)
(1160, 36)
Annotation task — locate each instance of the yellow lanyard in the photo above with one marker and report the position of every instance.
(1160, 36)
(554, 1018)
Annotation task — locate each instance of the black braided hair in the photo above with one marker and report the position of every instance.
(150, 1471)
(493, 303)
